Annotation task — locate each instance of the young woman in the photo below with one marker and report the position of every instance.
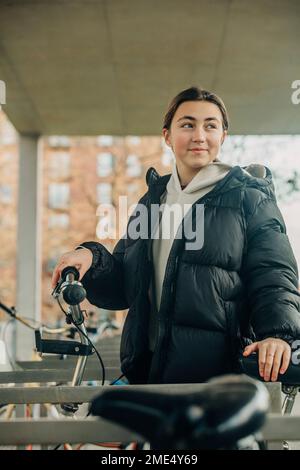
(193, 307)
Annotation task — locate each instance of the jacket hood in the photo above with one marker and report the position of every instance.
(260, 177)
(203, 180)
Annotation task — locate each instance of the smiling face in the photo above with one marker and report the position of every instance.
(195, 136)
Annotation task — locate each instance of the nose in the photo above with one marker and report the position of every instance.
(199, 134)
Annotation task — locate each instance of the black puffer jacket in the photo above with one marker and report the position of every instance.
(242, 283)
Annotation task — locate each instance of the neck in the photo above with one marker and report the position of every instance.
(186, 174)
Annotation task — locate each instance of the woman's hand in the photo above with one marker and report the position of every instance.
(81, 259)
(273, 356)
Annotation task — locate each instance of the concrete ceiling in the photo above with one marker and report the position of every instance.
(89, 67)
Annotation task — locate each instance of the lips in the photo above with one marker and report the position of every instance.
(198, 150)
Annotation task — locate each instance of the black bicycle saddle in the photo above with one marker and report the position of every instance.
(228, 409)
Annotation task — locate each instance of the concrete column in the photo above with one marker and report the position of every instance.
(28, 242)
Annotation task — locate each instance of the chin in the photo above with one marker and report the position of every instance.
(200, 164)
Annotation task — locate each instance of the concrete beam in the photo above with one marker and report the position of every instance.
(94, 73)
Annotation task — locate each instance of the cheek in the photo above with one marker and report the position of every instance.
(180, 141)
(214, 142)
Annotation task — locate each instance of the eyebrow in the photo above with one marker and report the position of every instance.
(192, 118)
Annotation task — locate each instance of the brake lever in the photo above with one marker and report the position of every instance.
(56, 291)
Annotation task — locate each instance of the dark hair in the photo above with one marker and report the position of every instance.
(194, 94)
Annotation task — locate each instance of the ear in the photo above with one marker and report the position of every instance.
(223, 137)
(166, 135)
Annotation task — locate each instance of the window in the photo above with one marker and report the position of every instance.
(134, 167)
(134, 140)
(58, 221)
(53, 257)
(6, 194)
(8, 134)
(167, 158)
(60, 164)
(104, 164)
(132, 188)
(59, 141)
(104, 193)
(50, 264)
(167, 155)
(105, 140)
(133, 193)
(58, 195)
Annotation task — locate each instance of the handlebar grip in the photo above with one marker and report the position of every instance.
(70, 270)
(249, 366)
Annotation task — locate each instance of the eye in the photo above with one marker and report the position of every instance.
(212, 126)
(187, 124)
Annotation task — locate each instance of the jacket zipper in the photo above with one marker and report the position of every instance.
(163, 329)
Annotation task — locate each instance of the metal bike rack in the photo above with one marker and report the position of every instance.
(93, 363)
(91, 430)
(45, 431)
(84, 394)
(56, 375)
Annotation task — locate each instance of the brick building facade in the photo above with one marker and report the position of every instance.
(79, 174)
